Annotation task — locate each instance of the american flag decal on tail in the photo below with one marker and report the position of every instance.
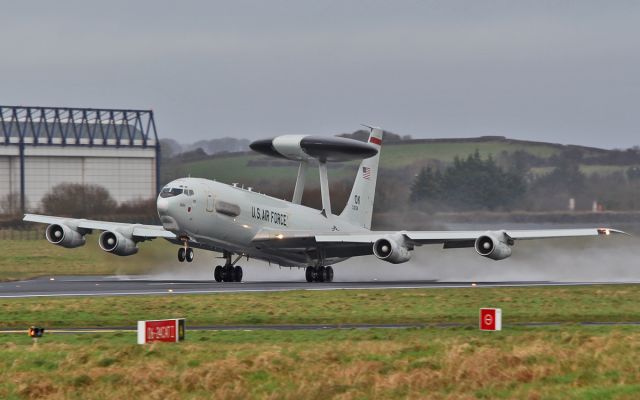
(366, 173)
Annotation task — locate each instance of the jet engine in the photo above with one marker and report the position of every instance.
(64, 236)
(494, 245)
(116, 243)
(393, 249)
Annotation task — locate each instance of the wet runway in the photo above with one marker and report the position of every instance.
(125, 286)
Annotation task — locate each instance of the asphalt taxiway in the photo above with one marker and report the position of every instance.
(124, 286)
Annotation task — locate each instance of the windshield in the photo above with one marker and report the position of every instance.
(170, 192)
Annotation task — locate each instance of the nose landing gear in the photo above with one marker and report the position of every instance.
(185, 254)
(319, 274)
(229, 272)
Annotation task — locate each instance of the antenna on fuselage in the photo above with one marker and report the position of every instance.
(300, 181)
(307, 148)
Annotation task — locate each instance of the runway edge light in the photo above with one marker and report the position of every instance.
(490, 319)
(164, 330)
(36, 332)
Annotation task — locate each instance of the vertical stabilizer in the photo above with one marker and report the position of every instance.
(359, 208)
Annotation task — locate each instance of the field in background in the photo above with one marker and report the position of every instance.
(557, 362)
(23, 259)
(236, 168)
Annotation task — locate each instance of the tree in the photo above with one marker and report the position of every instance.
(78, 200)
(10, 204)
(469, 184)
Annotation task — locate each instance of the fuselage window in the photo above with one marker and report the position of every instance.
(229, 209)
(170, 192)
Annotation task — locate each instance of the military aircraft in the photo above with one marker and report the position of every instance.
(240, 222)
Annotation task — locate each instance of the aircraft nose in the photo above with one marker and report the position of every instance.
(162, 205)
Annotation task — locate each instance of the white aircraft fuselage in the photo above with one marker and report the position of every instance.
(219, 216)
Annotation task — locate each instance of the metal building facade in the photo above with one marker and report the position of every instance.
(41, 147)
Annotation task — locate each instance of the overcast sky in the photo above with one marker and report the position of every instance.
(562, 71)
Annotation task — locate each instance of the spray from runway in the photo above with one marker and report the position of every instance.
(613, 259)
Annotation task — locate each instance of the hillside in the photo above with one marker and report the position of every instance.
(607, 172)
(251, 168)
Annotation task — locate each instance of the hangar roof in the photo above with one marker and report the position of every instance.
(68, 126)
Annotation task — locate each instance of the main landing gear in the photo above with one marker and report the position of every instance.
(319, 274)
(185, 254)
(229, 272)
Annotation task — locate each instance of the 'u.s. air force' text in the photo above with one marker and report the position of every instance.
(269, 216)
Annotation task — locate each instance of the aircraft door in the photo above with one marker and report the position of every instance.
(209, 202)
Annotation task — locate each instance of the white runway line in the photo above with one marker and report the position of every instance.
(228, 289)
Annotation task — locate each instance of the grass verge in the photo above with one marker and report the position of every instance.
(524, 304)
(552, 363)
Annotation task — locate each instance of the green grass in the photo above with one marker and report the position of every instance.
(552, 363)
(586, 169)
(556, 362)
(23, 259)
(543, 304)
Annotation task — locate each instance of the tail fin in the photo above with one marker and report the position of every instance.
(359, 208)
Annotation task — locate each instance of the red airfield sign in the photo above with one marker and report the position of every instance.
(490, 319)
(166, 330)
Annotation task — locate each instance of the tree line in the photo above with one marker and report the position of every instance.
(474, 183)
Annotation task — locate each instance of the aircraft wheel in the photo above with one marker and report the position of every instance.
(237, 274)
(225, 274)
(217, 273)
(189, 255)
(181, 254)
(308, 274)
(322, 274)
(228, 273)
(329, 274)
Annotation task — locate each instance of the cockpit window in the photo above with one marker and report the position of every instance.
(170, 192)
(188, 192)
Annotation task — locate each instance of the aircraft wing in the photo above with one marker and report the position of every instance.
(450, 239)
(461, 238)
(136, 230)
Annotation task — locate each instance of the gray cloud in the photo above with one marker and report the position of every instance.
(543, 70)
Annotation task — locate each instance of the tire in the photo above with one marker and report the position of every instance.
(308, 274)
(189, 255)
(322, 274)
(237, 274)
(217, 274)
(329, 274)
(181, 254)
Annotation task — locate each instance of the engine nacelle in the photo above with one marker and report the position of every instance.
(117, 243)
(494, 245)
(62, 235)
(393, 249)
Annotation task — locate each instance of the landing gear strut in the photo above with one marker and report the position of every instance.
(229, 272)
(319, 274)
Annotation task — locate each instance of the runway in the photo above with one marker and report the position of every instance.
(131, 285)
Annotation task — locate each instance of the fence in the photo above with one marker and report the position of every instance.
(21, 234)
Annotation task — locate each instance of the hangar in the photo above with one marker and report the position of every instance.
(41, 147)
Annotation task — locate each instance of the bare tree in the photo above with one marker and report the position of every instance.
(77, 200)
(10, 204)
